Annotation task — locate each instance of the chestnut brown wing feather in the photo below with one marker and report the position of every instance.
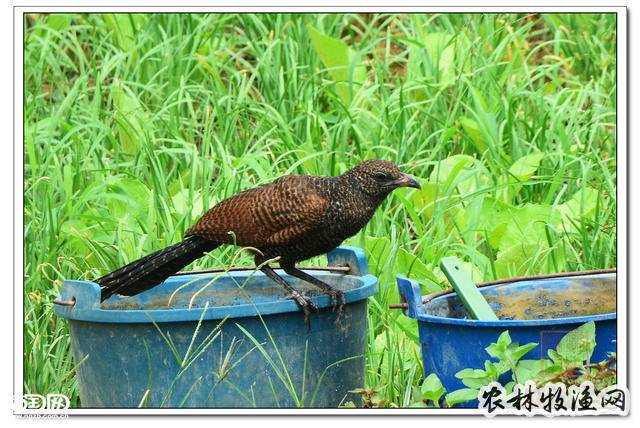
(275, 214)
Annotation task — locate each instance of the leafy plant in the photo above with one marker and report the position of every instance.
(429, 392)
(341, 62)
(568, 363)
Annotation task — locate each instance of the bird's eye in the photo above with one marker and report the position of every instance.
(380, 176)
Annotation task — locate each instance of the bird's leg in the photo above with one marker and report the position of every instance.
(305, 302)
(335, 294)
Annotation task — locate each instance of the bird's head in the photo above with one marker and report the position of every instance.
(379, 177)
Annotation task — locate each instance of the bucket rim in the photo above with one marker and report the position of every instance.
(431, 319)
(411, 290)
(88, 293)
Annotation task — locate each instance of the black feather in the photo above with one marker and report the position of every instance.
(151, 270)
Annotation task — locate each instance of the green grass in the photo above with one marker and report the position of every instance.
(135, 125)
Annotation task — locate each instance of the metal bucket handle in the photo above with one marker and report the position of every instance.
(353, 257)
(78, 296)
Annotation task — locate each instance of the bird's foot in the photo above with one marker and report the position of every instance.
(336, 296)
(306, 304)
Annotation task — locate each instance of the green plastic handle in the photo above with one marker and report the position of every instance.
(473, 300)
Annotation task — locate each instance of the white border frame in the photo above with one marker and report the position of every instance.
(72, 6)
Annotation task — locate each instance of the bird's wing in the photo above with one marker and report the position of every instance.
(275, 214)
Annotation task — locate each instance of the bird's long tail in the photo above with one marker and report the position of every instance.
(151, 270)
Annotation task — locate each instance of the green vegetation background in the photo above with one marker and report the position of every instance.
(136, 124)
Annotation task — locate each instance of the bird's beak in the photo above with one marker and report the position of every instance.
(408, 181)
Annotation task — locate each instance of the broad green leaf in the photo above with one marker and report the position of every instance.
(391, 349)
(442, 278)
(128, 196)
(521, 171)
(461, 396)
(518, 260)
(472, 129)
(131, 120)
(504, 339)
(379, 343)
(485, 119)
(516, 352)
(59, 21)
(382, 353)
(576, 346)
(125, 27)
(424, 199)
(78, 235)
(463, 172)
(524, 259)
(342, 63)
(524, 168)
(528, 224)
(183, 180)
(478, 99)
(448, 169)
(495, 370)
(495, 236)
(549, 372)
(582, 204)
(508, 353)
(187, 204)
(68, 176)
(409, 265)
(448, 134)
(468, 373)
(409, 326)
(441, 55)
(381, 258)
(120, 25)
(498, 348)
(476, 378)
(378, 250)
(434, 62)
(306, 153)
(529, 369)
(486, 215)
(432, 388)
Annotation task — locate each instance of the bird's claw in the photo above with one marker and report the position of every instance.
(302, 300)
(336, 295)
(306, 304)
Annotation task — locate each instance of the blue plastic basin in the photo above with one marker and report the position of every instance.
(540, 311)
(142, 351)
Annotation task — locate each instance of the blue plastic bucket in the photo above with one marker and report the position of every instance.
(142, 351)
(541, 311)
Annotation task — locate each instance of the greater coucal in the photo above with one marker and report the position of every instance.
(296, 217)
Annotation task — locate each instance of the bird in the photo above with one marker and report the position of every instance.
(291, 219)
